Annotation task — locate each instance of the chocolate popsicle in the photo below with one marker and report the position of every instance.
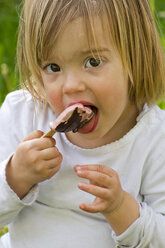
(71, 119)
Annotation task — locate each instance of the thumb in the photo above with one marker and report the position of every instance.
(34, 135)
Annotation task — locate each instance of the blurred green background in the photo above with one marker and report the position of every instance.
(9, 12)
(8, 39)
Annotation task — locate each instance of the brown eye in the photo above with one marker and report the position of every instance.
(92, 62)
(52, 68)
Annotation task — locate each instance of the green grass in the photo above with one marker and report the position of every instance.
(160, 17)
(8, 39)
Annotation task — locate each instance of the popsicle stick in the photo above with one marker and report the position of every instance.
(50, 133)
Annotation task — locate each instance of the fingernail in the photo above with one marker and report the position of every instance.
(80, 184)
(77, 167)
(79, 172)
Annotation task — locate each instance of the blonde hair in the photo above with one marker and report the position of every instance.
(130, 25)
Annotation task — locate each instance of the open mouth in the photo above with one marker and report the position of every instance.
(90, 125)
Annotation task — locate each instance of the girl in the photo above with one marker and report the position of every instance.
(103, 186)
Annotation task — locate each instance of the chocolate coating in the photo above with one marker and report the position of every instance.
(73, 123)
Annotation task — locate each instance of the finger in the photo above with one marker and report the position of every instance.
(53, 163)
(97, 191)
(96, 177)
(96, 167)
(51, 172)
(45, 143)
(92, 208)
(49, 153)
(39, 144)
(34, 135)
(49, 141)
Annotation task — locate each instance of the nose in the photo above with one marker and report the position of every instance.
(73, 83)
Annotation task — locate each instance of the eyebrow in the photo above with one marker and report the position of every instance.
(87, 52)
(94, 50)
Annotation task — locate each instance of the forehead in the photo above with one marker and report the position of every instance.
(77, 37)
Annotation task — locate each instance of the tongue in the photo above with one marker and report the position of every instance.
(89, 127)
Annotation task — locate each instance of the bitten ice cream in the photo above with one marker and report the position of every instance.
(71, 119)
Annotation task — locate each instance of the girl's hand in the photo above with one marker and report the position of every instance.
(104, 184)
(118, 207)
(35, 160)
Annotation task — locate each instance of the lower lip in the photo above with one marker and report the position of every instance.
(90, 126)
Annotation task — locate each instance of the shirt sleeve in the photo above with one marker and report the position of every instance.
(10, 203)
(16, 121)
(148, 229)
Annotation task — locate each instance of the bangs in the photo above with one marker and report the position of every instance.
(55, 19)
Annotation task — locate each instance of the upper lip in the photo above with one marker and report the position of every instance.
(85, 103)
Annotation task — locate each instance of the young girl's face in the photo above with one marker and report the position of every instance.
(76, 73)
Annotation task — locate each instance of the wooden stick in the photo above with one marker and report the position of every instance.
(50, 133)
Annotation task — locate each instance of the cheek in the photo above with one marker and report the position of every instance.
(53, 93)
(114, 91)
(55, 101)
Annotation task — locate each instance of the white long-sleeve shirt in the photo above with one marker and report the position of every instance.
(49, 216)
